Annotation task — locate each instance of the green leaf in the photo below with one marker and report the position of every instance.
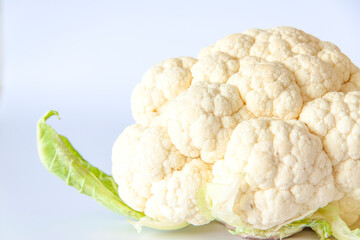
(60, 158)
(321, 227)
(339, 229)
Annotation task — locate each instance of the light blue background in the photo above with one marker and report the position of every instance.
(83, 58)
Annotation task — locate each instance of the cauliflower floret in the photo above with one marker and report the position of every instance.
(283, 168)
(201, 120)
(174, 197)
(155, 178)
(237, 45)
(314, 76)
(332, 55)
(215, 68)
(267, 88)
(336, 118)
(161, 83)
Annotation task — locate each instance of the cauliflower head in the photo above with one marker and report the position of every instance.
(277, 109)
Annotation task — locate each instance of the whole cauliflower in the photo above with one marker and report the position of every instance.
(237, 109)
(260, 132)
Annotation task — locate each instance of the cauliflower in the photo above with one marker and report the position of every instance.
(261, 132)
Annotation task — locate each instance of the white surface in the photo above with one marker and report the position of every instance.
(83, 58)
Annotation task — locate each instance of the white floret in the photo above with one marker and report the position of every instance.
(332, 55)
(202, 119)
(314, 76)
(215, 68)
(155, 178)
(267, 88)
(174, 198)
(283, 168)
(160, 83)
(336, 118)
(237, 45)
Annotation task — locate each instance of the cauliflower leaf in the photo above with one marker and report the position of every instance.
(60, 158)
(339, 229)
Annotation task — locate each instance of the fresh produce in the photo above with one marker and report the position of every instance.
(261, 133)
